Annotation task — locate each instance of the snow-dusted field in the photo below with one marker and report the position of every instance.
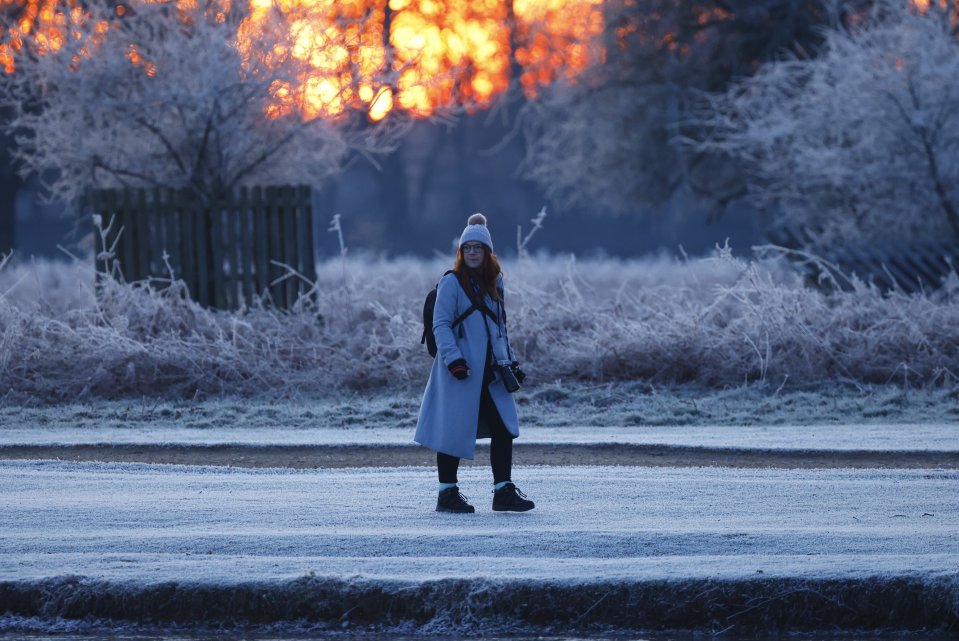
(95, 539)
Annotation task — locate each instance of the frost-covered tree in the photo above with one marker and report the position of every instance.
(608, 137)
(860, 143)
(150, 94)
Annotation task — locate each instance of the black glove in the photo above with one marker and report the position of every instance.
(517, 372)
(459, 369)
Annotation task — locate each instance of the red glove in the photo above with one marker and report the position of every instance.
(459, 369)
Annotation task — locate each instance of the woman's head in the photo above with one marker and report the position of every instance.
(476, 232)
(475, 257)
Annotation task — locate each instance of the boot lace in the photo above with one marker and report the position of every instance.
(459, 499)
(512, 489)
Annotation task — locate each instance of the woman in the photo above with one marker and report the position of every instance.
(465, 397)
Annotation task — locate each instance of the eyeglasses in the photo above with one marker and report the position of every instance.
(472, 248)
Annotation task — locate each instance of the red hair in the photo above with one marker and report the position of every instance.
(486, 275)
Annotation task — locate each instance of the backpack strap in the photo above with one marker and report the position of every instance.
(475, 305)
(479, 305)
(469, 310)
(459, 319)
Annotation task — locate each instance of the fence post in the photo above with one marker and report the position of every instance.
(187, 247)
(214, 216)
(275, 232)
(245, 262)
(288, 258)
(307, 264)
(260, 242)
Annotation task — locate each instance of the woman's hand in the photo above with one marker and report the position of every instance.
(459, 369)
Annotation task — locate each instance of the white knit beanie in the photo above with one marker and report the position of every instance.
(476, 230)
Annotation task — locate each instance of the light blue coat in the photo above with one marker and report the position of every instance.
(448, 420)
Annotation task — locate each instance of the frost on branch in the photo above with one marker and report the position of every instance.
(860, 143)
(182, 97)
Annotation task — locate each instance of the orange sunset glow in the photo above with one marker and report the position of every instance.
(341, 42)
(437, 53)
(430, 40)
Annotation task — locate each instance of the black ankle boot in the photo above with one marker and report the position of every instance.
(510, 499)
(450, 500)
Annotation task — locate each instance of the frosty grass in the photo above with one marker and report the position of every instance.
(591, 333)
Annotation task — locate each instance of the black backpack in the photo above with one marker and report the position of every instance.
(428, 339)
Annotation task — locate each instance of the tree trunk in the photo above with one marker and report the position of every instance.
(948, 207)
(9, 186)
(394, 198)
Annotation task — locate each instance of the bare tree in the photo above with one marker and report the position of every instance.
(608, 138)
(177, 96)
(859, 144)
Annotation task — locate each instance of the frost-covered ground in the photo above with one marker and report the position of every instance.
(570, 412)
(190, 544)
(717, 353)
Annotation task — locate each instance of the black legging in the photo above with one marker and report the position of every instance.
(500, 447)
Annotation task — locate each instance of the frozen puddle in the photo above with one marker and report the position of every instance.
(112, 535)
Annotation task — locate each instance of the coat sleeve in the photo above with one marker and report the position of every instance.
(444, 313)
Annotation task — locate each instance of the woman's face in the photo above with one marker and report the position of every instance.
(474, 254)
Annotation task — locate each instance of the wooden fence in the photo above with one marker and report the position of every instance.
(905, 267)
(226, 252)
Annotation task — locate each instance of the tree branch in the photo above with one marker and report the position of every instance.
(163, 140)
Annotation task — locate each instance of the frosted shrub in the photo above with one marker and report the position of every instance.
(858, 144)
(718, 322)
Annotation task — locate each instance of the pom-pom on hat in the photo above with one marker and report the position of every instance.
(476, 230)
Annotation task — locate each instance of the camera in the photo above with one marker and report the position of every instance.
(506, 373)
(517, 372)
